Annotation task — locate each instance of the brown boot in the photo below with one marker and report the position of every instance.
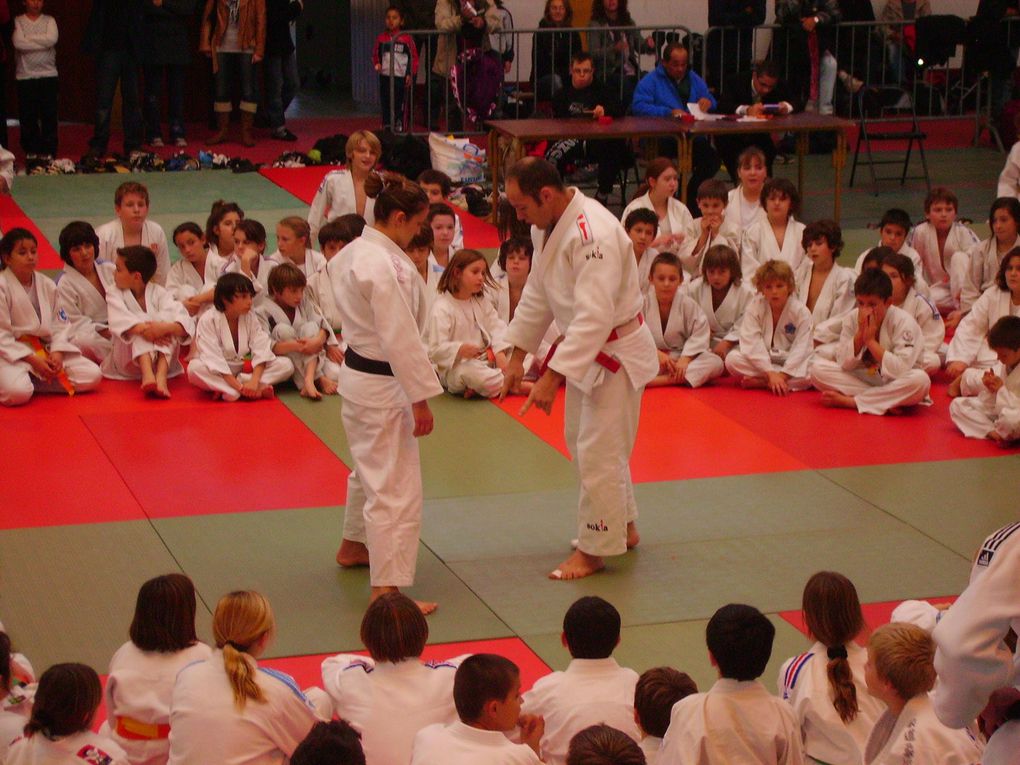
(222, 126)
(247, 121)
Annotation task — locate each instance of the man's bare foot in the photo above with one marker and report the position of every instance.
(837, 400)
(266, 391)
(426, 606)
(352, 554)
(327, 386)
(310, 391)
(162, 390)
(753, 382)
(633, 538)
(577, 566)
(955, 386)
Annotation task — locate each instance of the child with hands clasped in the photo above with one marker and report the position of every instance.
(775, 335)
(989, 400)
(722, 296)
(679, 327)
(776, 235)
(81, 290)
(147, 324)
(235, 358)
(465, 334)
(711, 228)
(192, 279)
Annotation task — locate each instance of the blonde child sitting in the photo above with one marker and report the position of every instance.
(293, 236)
(989, 401)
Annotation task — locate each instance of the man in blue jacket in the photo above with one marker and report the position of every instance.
(665, 92)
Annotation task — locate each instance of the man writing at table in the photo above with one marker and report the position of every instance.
(746, 94)
(586, 99)
(665, 92)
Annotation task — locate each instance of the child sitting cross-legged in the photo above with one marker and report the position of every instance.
(722, 295)
(989, 401)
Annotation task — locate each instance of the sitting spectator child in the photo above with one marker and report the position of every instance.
(744, 206)
(777, 235)
(642, 225)
(900, 270)
(81, 291)
(234, 358)
(142, 673)
(298, 331)
(292, 241)
(330, 743)
(465, 334)
(892, 233)
(937, 240)
(16, 693)
(133, 227)
(775, 335)
(487, 694)
(825, 686)
(249, 255)
(437, 186)
(721, 293)
(823, 286)
(746, 722)
(711, 228)
(419, 250)
(593, 689)
(443, 222)
(657, 692)
(391, 695)
(36, 353)
(679, 327)
(333, 237)
(983, 259)
(147, 324)
(604, 745)
(219, 227)
(989, 401)
(878, 365)
(900, 672)
(59, 730)
(193, 278)
(658, 193)
(968, 348)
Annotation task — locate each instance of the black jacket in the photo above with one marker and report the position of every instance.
(737, 91)
(279, 15)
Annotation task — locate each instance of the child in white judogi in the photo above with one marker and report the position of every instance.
(900, 673)
(744, 207)
(249, 256)
(776, 234)
(711, 228)
(333, 237)
(391, 694)
(900, 270)
(133, 227)
(983, 259)
(464, 335)
(641, 225)
(674, 222)
(234, 358)
(443, 222)
(722, 295)
(35, 351)
(147, 325)
(1009, 178)
(343, 191)
(826, 288)
(878, 359)
(937, 240)
(192, 279)
(219, 227)
(989, 402)
(737, 720)
(892, 233)
(81, 291)
(487, 693)
(593, 689)
(657, 691)
(293, 238)
(17, 690)
(419, 250)
(299, 332)
(775, 335)
(679, 327)
(437, 187)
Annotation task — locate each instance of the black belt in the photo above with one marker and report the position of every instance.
(370, 366)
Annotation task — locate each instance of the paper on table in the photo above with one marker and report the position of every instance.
(745, 118)
(696, 112)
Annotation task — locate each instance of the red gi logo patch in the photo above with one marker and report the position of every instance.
(584, 228)
(94, 756)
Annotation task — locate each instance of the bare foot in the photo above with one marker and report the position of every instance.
(753, 382)
(311, 392)
(954, 387)
(266, 391)
(468, 393)
(427, 606)
(633, 538)
(162, 390)
(838, 400)
(352, 554)
(149, 386)
(328, 387)
(577, 566)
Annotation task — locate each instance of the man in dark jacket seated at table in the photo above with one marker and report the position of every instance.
(746, 94)
(584, 98)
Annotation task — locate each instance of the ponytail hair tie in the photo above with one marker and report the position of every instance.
(837, 652)
(244, 649)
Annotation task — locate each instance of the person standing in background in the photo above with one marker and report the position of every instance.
(167, 49)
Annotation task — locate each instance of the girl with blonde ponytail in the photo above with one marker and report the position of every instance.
(826, 685)
(228, 709)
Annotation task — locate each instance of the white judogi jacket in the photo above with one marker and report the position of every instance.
(787, 346)
(1002, 408)
(1009, 178)
(916, 736)
(83, 306)
(924, 239)
(741, 214)
(590, 691)
(686, 333)
(77, 749)
(272, 315)
(804, 682)
(758, 245)
(836, 296)
(969, 341)
(125, 312)
(207, 727)
(232, 265)
(919, 283)
(111, 238)
(728, 235)
(460, 744)
(389, 703)
(334, 198)
(928, 318)
(453, 322)
(184, 280)
(724, 321)
(18, 317)
(315, 261)
(678, 219)
(216, 345)
(734, 722)
(899, 335)
(382, 305)
(139, 686)
(320, 292)
(983, 261)
(584, 277)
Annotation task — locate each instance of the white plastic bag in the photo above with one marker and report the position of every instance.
(458, 158)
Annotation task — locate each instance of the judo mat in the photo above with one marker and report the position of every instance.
(742, 496)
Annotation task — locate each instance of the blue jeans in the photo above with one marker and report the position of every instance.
(112, 67)
(175, 76)
(282, 83)
(235, 67)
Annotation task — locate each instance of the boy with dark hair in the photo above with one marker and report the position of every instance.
(438, 186)
(330, 743)
(604, 745)
(593, 689)
(657, 692)
(333, 237)
(893, 228)
(753, 725)
(713, 197)
(988, 405)
(642, 226)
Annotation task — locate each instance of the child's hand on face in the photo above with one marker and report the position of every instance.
(247, 254)
(992, 381)
(532, 730)
(710, 224)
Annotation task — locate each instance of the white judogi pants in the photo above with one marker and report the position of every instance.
(324, 367)
(93, 346)
(907, 390)
(703, 367)
(17, 383)
(600, 429)
(384, 491)
(203, 378)
(738, 366)
(973, 412)
(477, 375)
(125, 354)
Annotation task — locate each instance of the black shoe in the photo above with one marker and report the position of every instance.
(282, 134)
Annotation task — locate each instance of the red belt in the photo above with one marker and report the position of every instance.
(601, 358)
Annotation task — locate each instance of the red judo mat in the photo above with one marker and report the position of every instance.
(875, 614)
(12, 216)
